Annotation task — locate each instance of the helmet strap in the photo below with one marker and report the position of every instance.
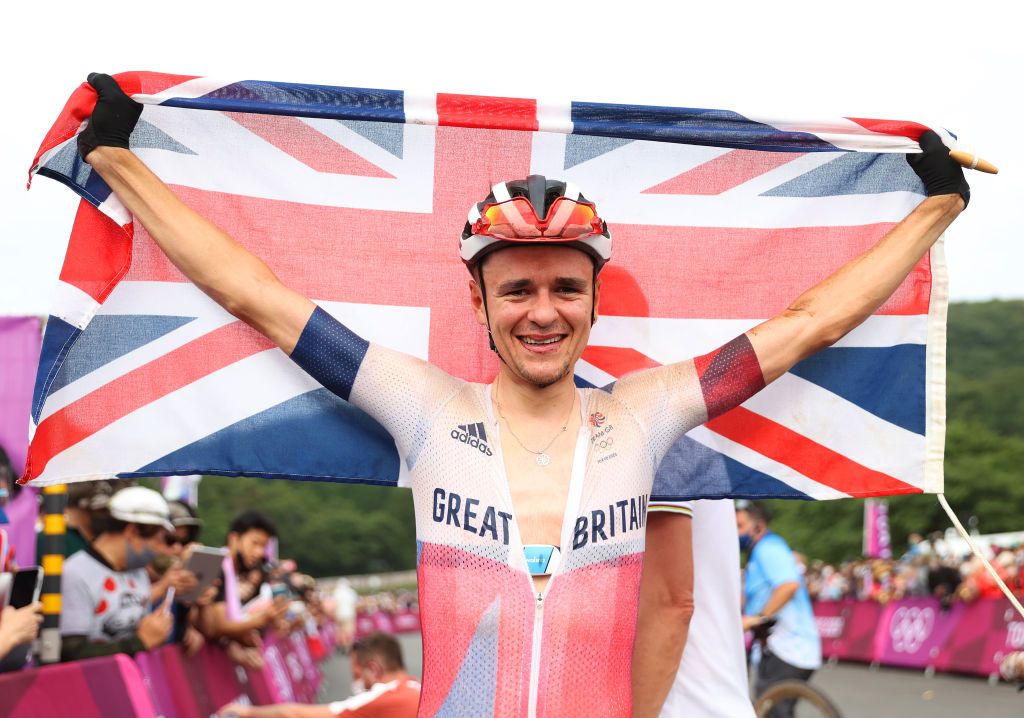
(593, 299)
(487, 315)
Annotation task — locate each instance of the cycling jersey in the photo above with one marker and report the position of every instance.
(491, 645)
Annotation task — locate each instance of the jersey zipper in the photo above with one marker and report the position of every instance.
(538, 627)
(571, 507)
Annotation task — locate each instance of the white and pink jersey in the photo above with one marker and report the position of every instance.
(491, 645)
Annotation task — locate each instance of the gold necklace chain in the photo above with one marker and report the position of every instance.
(542, 456)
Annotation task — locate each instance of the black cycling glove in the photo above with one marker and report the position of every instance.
(940, 174)
(112, 120)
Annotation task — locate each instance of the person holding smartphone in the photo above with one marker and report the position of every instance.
(106, 588)
(19, 626)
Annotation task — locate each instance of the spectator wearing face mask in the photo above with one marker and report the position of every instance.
(774, 589)
(168, 571)
(106, 589)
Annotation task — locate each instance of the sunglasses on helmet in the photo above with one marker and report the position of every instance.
(517, 219)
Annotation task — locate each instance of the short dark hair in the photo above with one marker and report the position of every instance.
(379, 646)
(8, 474)
(755, 510)
(252, 520)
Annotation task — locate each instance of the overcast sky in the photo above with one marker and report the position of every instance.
(955, 65)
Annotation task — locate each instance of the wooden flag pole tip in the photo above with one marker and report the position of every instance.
(973, 162)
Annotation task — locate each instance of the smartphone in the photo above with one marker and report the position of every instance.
(25, 587)
(295, 609)
(5, 587)
(205, 562)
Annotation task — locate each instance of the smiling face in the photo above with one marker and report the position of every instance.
(539, 300)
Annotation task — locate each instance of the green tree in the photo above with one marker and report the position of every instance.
(329, 529)
(986, 365)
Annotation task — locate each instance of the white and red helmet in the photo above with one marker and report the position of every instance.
(139, 505)
(535, 210)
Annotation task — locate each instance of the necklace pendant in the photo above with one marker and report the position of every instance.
(543, 459)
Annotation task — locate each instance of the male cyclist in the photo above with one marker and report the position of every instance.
(530, 535)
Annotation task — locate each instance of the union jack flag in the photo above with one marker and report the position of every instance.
(356, 198)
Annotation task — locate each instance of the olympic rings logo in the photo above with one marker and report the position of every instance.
(605, 444)
(910, 628)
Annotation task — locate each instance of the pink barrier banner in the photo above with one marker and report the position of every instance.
(164, 675)
(988, 630)
(191, 687)
(382, 622)
(311, 674)
(831, 626)
(916, 633)
(364, 624)
(406, 622)
(329, 636)
(162, 683)
(260, 687)
(109, 687)
(276, 672)
(20, 339)
(913, 632)
(303, 680)
(850, 628)
(213, 677)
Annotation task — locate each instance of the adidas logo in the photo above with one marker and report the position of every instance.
(474, 435)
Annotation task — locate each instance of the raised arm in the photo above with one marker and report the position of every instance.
(669, 401)
(225, 270)
(829, 310)
(394, 388)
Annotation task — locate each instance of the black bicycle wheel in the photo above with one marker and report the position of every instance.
(795, 690)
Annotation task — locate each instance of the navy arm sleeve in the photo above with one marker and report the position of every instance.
(330, 352)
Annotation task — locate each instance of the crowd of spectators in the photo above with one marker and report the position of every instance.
(390, 602)
(127, 584)
(137, 577)
(929, 567)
